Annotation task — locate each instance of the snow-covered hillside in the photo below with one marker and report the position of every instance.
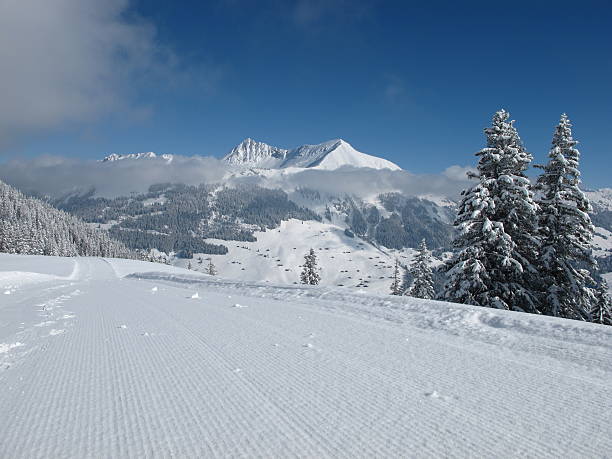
(116, 358)
(277, 254)
(351, 262)
(602, 242)
(601, 199)
(327, 156)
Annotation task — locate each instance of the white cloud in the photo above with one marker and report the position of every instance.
(348, 180)
(56, 176)
(66, 61)
(458, 172)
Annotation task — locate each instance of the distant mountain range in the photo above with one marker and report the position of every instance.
(147, 155)
(249, 153)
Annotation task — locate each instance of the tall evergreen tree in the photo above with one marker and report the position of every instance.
(601, 313)
(396, 285)
(420, 269)
(310, 272)
(496, 222)
(565, 230)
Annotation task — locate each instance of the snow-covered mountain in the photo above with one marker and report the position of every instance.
(257, 154)
(251, 154)
(327, 156)
(145, 155)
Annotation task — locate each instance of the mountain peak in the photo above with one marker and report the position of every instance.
(249, 152)
(328, 155)
(334, 154)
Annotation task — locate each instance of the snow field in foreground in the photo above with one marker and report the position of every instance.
(123, 361)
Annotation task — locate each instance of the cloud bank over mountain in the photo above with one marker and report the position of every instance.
(363, 182)
(57, 176)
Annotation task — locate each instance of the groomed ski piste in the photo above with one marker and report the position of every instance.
(117, 358)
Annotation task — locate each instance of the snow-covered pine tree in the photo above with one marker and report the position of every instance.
(602, 309)
(565, 230)
(211, 268)
(496, 222)
(310, 272)
(422, 276)
(396, 285)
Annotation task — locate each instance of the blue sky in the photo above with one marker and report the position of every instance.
(413, 82)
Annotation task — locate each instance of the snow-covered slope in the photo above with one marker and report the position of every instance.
(332, 155)
(103, 365)
(602, 242)
(600, 199)
(277, 255)
(327, 155)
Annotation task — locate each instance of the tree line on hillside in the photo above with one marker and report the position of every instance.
(183, 245)
(177, 218)
(30, 226)
(408, 221)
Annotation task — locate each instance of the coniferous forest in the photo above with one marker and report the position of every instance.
(30, 226)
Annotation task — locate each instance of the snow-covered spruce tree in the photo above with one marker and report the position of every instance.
(602, 309)
(310, 272)
(422, 277)
(396, 285)
(565, 230)
(211, 268)
(497, 241)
